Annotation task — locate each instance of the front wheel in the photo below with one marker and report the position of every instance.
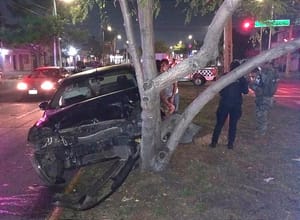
(199, 80)
(49, 168)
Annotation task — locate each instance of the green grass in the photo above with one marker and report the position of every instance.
(204, 183)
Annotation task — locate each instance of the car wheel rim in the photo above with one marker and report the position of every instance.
(198, 82)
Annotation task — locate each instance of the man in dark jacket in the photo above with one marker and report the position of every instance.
(230, 105)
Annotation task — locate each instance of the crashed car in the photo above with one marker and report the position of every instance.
(94, 116)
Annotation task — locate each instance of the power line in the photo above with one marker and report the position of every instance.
(29, 10)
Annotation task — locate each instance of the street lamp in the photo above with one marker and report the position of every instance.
(119, 38)
(72, 52)
(108, 28)
(190, 45)
(56, 39)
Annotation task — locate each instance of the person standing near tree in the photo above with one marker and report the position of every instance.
(264, 86)
(175, 97)
(167, 94)
(230, 104)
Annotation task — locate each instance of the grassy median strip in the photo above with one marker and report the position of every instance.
(255, 180)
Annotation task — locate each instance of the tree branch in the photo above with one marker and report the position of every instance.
(195, 107)
(208, 51)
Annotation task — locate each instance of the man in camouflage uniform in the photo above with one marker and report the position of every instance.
(264, 85)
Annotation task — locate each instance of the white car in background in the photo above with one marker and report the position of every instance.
(200, 77)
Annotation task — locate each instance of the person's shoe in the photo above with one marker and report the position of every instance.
(230, 146)
(212, 145)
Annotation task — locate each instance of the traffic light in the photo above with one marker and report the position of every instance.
(247, 25)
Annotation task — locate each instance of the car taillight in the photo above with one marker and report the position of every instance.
(47, 85)
(22, 86)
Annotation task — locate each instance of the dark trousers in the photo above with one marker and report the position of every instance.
(234, 112)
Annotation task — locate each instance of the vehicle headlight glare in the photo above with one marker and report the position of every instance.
(21, 86)
(47, 85)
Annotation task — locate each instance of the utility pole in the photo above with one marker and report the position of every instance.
(270, 28)
(54, 38)
(288, 56)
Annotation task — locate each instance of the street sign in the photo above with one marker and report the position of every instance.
(272, 23)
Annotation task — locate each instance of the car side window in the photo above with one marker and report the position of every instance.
(115, 81)
(75, 92)
(95, 85)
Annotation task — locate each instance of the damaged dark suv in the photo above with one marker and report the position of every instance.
(94, 116)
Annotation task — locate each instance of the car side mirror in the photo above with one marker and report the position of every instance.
(43, 105)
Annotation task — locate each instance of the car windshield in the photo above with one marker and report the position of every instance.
(46, 73)
(89, 86)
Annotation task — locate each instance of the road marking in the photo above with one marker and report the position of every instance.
(27, 113)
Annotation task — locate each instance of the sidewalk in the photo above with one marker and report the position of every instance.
(7, 85)
(14, 74)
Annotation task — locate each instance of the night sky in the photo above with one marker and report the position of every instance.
(169, 26)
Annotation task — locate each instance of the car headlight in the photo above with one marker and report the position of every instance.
(22, 86)
(47, 85)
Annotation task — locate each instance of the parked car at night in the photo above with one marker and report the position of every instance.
(200, 77)
(43, 81)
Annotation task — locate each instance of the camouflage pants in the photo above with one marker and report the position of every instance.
(263, 106)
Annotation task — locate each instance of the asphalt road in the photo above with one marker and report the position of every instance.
(288, 93)
(22, 193)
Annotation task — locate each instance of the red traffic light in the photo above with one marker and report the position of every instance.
(247, 25)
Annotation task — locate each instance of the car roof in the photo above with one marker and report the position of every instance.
(97, 71)
(47, 67)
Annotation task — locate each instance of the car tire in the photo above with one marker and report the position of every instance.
(51, 171)
(199, 80)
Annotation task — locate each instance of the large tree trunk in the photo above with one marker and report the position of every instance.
(150, 86)
(150, 100)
